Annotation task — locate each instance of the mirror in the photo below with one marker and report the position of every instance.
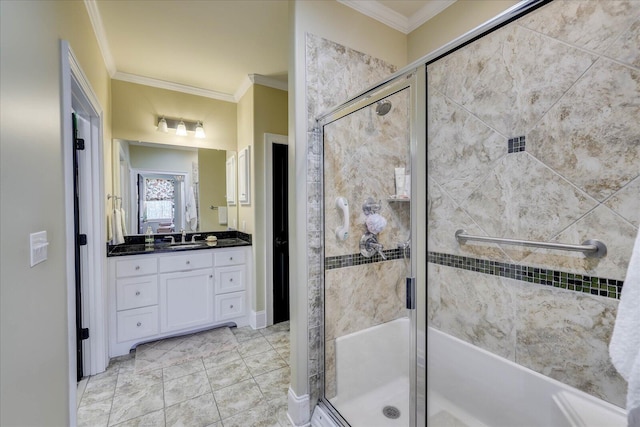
(170, 188)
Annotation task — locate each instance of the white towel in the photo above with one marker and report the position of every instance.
(222, 215)
(109, 227)
(123, 221)
(118, 238)
(191, 213)
(624, 348)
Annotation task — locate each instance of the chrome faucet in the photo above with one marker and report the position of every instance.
(184, 234)
(173, 241)
(369, 246)
(193, 237)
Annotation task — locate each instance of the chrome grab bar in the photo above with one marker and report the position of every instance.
(591, 248)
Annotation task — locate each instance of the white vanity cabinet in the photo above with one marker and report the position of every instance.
(158, 295)
(186, 291)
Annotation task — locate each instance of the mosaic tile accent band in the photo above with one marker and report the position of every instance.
(610, 288)
(342, 261)
(516, 144)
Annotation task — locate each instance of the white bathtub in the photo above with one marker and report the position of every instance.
(473, 387)
(467, 386)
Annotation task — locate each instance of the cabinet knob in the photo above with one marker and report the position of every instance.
(137, 267)
(211, 276)
(230, 258)
(137, 293)
(231, 280)
(139, 324)
(188, 262)
(231, 306)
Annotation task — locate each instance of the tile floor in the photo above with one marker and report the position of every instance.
(243, 385)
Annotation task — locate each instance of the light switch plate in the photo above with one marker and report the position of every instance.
(38, 247)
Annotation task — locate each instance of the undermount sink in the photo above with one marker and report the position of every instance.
(186, 245)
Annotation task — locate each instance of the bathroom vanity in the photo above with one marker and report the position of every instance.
(174, 291)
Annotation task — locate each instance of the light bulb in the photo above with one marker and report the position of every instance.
(162, 126)
(200, 131)
(181, 130)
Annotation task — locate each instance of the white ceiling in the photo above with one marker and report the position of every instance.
(209, 48)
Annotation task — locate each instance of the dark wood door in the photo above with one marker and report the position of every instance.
(280, 234)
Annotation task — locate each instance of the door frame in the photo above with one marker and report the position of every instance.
(269, 140)
(77, 95)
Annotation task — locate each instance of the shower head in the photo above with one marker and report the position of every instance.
(383, 107)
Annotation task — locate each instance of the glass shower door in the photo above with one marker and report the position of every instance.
(369, 349)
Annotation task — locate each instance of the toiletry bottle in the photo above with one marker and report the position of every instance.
(148, 239)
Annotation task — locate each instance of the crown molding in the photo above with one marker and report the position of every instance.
(395, 20)
(427, 12)
(259, 79)
(101, 35)
(161, 84)
(379, 12)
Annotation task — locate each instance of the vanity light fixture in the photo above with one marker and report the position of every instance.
(181, 127)
(200, 131)
(181, 130)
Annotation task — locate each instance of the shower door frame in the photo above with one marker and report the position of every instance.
(414, 81)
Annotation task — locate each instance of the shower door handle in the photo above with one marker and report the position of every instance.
(411, 293)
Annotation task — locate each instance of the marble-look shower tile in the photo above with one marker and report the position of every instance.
(315, 350)
(238, 398)
(127, 406)
(591, 136)
(627, 47)
(592, 25)
(185, 388)
(511, 77)
(626, 202)
(462, 149)
(363, 296)
(506, 206)
(479, 309)
(153, 419)
(221, 376)
(434, 278)
(315, 300)
(601, 224)
(445, 217)
(565, 335)
(330, 385)
(199, 411)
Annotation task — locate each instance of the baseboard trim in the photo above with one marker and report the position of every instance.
(258, 319)
(298, 412)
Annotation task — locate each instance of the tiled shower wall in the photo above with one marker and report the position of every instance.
(334, 74)
(533, 134)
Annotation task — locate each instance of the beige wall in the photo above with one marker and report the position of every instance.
(454, 21)
(161, 159)
(34, 369)
(212, 187)
(261, 110)
(136, 108)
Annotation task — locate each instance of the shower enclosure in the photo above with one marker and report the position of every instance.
(371, 193)
(532, 131)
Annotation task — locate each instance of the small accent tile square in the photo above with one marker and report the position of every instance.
(516, 144)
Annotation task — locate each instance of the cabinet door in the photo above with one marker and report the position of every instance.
(229, 279)
(186, 299)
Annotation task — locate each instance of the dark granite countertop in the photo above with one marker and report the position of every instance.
(134, 245)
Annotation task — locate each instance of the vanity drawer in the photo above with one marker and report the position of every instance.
(229, 306)
(186, 262)
(137, 323)
(136, 267)
(229, 257)
(136, 292)
(229, 279)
